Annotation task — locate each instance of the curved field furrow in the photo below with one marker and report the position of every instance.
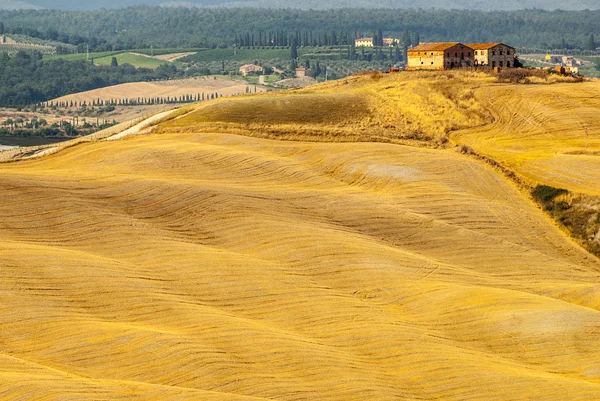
(212, 266)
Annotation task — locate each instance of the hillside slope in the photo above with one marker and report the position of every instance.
(197, 264)
(212, 266)
(547, 133)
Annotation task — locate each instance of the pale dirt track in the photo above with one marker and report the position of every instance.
(220, 267)
(546, 133)
(119, 131)
(173, 56)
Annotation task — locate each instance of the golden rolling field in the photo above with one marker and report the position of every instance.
(199, 264)
(547, 133)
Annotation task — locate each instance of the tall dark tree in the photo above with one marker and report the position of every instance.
(294, 50)
(591, 45)
(379, 38)
(1, 28)
(114, 62)
(406, 41)
(417, 40)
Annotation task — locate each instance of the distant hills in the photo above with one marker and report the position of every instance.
(16, 5)
(312, 4)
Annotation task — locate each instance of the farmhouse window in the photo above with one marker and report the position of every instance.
(476, 52)
(448, 54)
(456, 54)
(493, 52)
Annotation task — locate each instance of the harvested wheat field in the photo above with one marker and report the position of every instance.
(546, 133)
(174, 88)
(189, 264)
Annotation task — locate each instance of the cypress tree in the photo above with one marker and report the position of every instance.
(591, 43)
(406, 41)
(294, 50)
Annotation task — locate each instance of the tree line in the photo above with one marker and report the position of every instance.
(144, 26)
(135, 101)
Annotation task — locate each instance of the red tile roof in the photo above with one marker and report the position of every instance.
(485, 46)
(433, 46)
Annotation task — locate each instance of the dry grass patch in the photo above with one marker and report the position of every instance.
(414, 106)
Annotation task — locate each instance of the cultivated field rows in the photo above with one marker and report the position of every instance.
(215, 266)
(546, 133)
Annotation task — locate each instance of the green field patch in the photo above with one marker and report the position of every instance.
(135, 60)
(244, 55)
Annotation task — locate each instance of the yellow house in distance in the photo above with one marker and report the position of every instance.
(368, 42)
(363, 42)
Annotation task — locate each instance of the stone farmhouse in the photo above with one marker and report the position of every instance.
(493, 54)
(450, 55)
(440, 56)
(246, 68)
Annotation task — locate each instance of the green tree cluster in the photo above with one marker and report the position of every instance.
(27, 79)
(141, 27)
